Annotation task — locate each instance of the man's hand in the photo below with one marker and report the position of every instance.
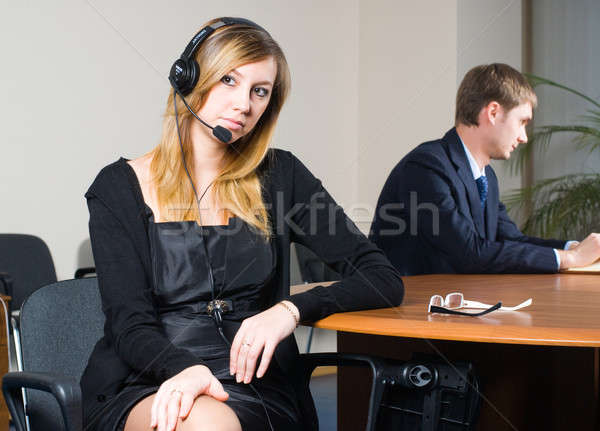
(583, 254)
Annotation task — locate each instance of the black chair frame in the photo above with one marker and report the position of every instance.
(67, 391)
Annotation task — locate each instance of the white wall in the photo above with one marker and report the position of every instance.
(489, 31)
(412, 57)
(566, 40)
(406, 86)
(85, 82)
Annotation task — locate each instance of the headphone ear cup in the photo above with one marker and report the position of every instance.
(184, 74)
(194, 75)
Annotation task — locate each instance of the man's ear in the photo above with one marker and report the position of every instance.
(492, 112)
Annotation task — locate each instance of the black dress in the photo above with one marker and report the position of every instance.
(134, 342)
(242, 264)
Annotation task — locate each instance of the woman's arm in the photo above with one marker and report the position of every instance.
(368, 280)
(316, 221)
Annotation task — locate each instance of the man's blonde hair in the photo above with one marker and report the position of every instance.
(488, 83)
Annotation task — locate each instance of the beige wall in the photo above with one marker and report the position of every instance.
(489, 31)
(565, 50)
(406, 85)
(84, 83)
(412, 56)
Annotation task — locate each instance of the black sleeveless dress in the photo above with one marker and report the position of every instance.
(242, 264)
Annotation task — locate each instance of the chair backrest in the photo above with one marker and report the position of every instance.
(312, 268)
(27, 260)
(60, 324)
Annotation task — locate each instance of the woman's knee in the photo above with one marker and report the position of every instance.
(210, 414)
(139, 416)
(206, 414)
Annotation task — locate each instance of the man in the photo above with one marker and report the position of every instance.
(439, 211)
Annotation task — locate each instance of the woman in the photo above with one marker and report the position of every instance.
(191, 244)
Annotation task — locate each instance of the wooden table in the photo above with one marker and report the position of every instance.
(539, 366)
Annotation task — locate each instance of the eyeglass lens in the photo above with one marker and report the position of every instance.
(437, 301)
(454, 300)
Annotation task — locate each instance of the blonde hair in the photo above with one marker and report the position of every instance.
(237, 189)
(491, 82)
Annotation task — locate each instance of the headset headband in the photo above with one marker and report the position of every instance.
(203, 34)
(185, 71)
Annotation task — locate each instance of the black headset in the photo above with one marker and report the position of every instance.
(185, 71)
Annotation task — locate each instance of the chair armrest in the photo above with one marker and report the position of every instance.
(314, 360)
(82, 272)
(6, 284)
(65, 389)
(377, 366)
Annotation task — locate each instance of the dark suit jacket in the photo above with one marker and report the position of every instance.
(429, 219)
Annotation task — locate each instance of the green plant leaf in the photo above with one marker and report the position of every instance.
(536, 80)
(566, 207)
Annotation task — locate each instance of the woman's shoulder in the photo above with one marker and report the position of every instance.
(111, 177)
(279, 160)
(286, 163)
(276, 166)
(284, 171)
(141, 167)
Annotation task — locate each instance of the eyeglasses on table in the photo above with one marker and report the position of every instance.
(456, 300)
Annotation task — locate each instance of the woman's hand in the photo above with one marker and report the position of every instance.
(176, 396)
(260, 334)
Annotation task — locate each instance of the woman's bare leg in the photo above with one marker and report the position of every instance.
(206, 414)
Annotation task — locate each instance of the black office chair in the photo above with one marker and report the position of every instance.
(25, 265)
(87, 271)
(27, 261)
(61, 323)
(312, 270)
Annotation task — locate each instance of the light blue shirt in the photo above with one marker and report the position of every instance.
(474, 166)
(481, 172)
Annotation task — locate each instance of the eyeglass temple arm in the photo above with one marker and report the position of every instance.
(475, 304)
(436, 309)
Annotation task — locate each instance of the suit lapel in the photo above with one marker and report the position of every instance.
(463, 169)
(491, 206)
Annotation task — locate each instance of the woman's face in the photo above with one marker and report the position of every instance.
(240, 98)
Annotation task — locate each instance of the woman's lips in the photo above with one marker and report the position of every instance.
(233, 124)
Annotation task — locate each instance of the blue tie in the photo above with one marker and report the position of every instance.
(482, 187)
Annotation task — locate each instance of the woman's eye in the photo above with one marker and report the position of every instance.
(261, 91)
(228, 80)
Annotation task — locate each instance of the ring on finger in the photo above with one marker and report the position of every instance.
(245, 343)
(176, 391)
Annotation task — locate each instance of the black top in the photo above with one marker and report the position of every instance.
(300, 210)
(429, 219)
(242, 264)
